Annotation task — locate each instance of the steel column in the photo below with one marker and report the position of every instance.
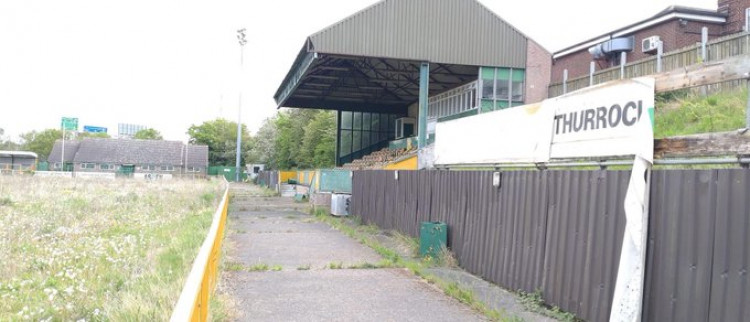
(424, 93)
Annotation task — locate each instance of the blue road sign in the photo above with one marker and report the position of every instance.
(94, 129)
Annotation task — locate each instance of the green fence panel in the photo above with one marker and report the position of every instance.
(42, 166)
(336, 180)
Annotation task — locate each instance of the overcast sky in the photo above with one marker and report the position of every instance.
(168, 64)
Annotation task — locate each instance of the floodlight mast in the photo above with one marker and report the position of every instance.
(242, 41)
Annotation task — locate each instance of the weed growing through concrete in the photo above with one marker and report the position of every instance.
(335, 265)
(364, 234)
(259, 267)
(304, 267)
(535, 303)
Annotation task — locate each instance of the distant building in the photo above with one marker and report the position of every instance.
(675, 27)
(128, 157)
(17, 161)
(127, 131)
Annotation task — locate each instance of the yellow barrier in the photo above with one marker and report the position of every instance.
(195, 296)
(405, 164)
(284, 176)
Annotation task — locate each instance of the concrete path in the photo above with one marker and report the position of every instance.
(303, 282)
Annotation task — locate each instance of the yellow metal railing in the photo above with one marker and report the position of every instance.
(200, 284)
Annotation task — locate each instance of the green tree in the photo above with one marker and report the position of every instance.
(264, 145)
(319, 141)
(290, 128)
(221, 137)
(7, 145)
(40, 142)
(86, 135)
(148, 134)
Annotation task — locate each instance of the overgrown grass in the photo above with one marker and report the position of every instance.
(683, 113)
(83, 249)
(535, 303)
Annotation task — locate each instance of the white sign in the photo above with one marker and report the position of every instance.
(95, 175)
(612, 119)
(53, 174)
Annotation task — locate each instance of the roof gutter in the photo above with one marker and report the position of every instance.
(293, 80)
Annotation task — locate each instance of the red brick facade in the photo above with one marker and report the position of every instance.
(735, 11)
(538, 66)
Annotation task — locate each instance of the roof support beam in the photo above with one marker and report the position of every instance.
(424, 94)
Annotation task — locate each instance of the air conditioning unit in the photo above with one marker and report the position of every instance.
(405, 127)
(340, 204)
(650, 44)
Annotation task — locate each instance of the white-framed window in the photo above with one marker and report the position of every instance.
(57, 165)
(167, 167)
(106, 166)
(747, 19)
(193, 169)
(148, 167)
(88, 165)
(501, 88)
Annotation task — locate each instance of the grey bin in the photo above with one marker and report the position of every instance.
(340, 204)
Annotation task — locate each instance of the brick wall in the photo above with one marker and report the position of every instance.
(538, 68)
(735, 11)
(674, 34)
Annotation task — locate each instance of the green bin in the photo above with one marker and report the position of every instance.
(432, 238)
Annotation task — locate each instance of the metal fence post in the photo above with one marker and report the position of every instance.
(659, 56)
(565, 81)
(704, 41)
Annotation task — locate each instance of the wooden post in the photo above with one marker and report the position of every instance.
(592, 68)
(565, 81)
(623, 60)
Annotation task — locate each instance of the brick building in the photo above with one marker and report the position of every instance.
(128, 157)
(676, 27)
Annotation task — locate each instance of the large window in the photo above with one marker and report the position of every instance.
(501, 87)
(360, 131)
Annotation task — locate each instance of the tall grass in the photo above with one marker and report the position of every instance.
(684, 113)
(115, 250)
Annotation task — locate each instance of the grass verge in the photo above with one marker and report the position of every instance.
(99, 250)
(683, 113)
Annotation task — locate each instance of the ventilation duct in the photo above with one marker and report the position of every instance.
(612, 47)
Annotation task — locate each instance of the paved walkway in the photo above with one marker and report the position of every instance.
(300, 284)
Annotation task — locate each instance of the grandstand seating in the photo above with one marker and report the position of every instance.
(379, 159)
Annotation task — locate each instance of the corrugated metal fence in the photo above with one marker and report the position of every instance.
(268, 179)
(560, 232)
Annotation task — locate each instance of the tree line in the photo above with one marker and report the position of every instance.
(292, 139)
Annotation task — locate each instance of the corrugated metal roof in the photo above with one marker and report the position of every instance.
(441, 31)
